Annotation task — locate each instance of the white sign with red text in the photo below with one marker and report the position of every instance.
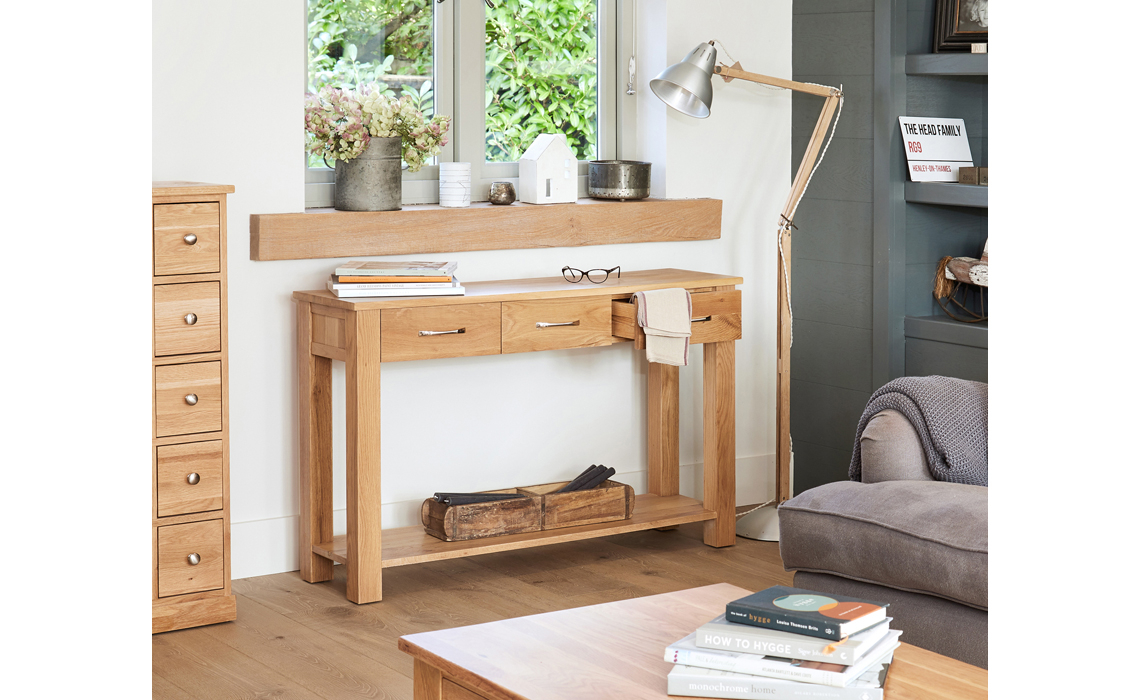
(935, 148)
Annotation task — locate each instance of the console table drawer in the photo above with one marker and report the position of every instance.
(430, 332)
(189, 478)
(190, 558)
(187, 318)
(187, 398)
(543, 324)
(187, 238)
(716, 318)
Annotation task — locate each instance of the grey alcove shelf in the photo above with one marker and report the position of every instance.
(948, 193)
(948, 64)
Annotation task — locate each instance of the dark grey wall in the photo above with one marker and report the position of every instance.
(847, 340)
(832, 44)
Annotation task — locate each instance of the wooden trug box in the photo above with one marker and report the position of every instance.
(541, 510)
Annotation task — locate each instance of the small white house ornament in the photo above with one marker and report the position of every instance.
(548, 171)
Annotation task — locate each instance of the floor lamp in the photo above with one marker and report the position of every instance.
(687, 88)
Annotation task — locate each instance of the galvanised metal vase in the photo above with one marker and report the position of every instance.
(372, 181)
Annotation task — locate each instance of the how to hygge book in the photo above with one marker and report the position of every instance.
(730, 636)
(708, 683)
(805, 612)
(687, 653)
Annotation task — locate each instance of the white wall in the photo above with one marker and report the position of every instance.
(228, 81)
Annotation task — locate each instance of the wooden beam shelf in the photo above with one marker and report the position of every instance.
(430, 229)
(411, 545)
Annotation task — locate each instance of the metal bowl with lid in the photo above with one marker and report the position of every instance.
(618, 179)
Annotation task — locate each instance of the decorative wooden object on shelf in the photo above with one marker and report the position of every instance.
(429, 228)
(190, 507)
(359, 332)
(542, 509)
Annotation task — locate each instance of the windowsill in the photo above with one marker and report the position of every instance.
(430, 228)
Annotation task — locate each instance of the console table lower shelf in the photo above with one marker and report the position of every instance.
(411, 545)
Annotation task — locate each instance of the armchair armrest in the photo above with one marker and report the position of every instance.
(891, 450)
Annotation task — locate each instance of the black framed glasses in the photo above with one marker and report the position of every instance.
(597, 275)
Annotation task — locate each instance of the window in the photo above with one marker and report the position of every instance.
(506, 71)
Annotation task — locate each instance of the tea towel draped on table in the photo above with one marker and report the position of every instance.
(666, 317)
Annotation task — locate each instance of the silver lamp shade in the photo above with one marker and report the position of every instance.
(687, 86)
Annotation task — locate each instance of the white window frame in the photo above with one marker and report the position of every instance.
(459, 42)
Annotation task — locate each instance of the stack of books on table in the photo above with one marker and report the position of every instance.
(356, 278)
(787, 643)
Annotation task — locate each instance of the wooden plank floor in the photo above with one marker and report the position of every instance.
(298, 640)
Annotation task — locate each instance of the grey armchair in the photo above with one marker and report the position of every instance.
(898, 537)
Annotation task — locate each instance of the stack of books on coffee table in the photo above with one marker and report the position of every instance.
(357, 278)
(787, 643)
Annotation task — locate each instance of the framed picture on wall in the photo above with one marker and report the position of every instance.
(959, 23)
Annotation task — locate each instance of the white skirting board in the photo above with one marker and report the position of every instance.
(269, 546)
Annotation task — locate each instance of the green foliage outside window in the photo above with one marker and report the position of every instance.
(541, 64)
(542, 75)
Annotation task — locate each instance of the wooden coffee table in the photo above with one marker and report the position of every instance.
(616, 650)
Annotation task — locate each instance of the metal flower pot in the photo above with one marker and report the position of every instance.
(371, 181)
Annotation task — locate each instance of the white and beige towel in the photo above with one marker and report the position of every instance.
(666, 317)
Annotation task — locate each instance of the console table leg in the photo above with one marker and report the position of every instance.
(362, 419)
(720, 442)
(315, 391)
(664, 453)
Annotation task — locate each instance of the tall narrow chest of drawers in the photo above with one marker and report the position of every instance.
(190, 493)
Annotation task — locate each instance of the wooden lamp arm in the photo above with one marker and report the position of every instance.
(831, 96)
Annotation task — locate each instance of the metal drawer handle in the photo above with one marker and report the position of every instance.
(191, 319)
(542, 324)
(194, 559)
(701, 319)
(192, 399)
(457, 330)
(190, 239)
(192, 478)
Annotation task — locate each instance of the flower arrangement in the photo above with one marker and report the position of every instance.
(340, 123)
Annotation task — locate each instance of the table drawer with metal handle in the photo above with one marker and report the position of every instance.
(716, 318)
(430, 332)
(189, 478)
(187, 238)
(551, 324)
(187, 398)
(187, 318)
(190, 557)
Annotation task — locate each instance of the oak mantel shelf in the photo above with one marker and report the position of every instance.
(429, 228)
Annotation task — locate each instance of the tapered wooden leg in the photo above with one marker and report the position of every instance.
(315, 391)
(664, 430)
(362, 419)
(720, 442)
(427, 683)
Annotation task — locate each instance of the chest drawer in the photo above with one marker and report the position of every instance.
(549, 324)
(187, 318)
(187, 398)
(430, 332)
(189, 478)
(187, 238)
(190, 558)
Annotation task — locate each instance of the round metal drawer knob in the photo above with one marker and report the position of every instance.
(192, 399)
(192, 478)
(190, 239)
(191, 319)
(194, 559)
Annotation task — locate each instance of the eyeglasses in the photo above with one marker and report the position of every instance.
(597, 275)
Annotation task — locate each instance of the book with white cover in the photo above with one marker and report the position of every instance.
(388, 268)
(707, 683)
(731, 636)
(449, 290)
(334, 285)
(686, 653)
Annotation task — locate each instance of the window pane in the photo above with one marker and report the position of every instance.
(542, 75)
(356, 42)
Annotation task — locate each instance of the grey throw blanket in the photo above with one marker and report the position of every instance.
(951, 417)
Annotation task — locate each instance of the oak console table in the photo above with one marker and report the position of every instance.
(495, 318)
